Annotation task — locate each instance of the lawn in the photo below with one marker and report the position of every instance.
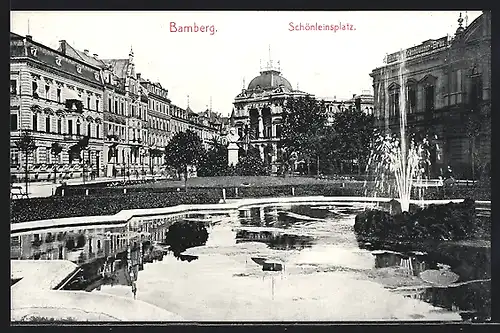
(239, 181)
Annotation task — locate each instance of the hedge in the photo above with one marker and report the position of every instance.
(110, 200)
(346, 189)
(24, 210)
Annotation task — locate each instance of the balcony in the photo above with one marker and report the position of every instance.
(72, 137)
(113, 137)
(136, 141)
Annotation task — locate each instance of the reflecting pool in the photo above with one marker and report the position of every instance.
(268, 262)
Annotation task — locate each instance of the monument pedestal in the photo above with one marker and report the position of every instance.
(232, 154)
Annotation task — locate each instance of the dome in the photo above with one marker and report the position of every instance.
(269, 80)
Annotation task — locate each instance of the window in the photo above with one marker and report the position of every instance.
(13, 87)
(70, 126)
(89, 129)
(59, 126)
(453, 82)
(59, 95)
(476, 94)
(122, 108)
(35, 89)
(88, 103)
(35, 122)
(36, 158)
(116, 107)
(14, 157)
(97, 105)
(47, 124)
(48, 155)
(412, 98)
(110, 104)
(97, 131)
(47, 90)
(78, 125)
(394, 103)
(13, 122)
(429, 98)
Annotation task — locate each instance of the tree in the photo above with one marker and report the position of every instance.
(251, 164)
(26, 144)
(214, 162)
(56, 149)
(183, 150)
(304, 121)
(349, 137)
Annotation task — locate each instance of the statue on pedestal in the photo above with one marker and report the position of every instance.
(232, 149)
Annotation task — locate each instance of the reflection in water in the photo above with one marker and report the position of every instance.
(275, 239)
(183, 235)
(475, 264)
(258, 243)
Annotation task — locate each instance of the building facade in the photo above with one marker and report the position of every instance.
(447, 85)
(257, 113)
(207, 125)
(362, 102)
(107, 119)
(56, 99)
(158, 123)
(124, 112)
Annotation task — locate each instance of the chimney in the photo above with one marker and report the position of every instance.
(62, 46)
(353, 95)
(138, 76)
(86, 52)
(95, 56)
(29, 37)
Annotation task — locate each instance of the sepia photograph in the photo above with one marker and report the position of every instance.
(250, 166)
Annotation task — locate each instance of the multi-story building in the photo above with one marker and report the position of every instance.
(447, 87)
(207, 125)
(107, 119)
(125, 112)
(57, 99)
(158, 123)
(257, 112)
(127, 107)
(362, 102)
(179, 120)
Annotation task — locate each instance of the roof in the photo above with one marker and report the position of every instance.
(119, 66)
(87, 58)
(269, 80)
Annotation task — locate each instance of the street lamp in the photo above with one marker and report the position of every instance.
(143, 157)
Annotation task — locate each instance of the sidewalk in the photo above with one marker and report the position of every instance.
(46, 189)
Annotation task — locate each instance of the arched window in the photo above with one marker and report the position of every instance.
(35, 122)
(411, 96)
(429, 84)
(394, 100)
(47, 124)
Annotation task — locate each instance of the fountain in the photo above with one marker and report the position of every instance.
(400, 156)
(398, 161)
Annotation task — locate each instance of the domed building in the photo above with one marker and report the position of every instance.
(257, 113)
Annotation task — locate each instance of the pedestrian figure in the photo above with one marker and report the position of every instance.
(134, 289)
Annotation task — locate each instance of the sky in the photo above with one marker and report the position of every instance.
(213, 67)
